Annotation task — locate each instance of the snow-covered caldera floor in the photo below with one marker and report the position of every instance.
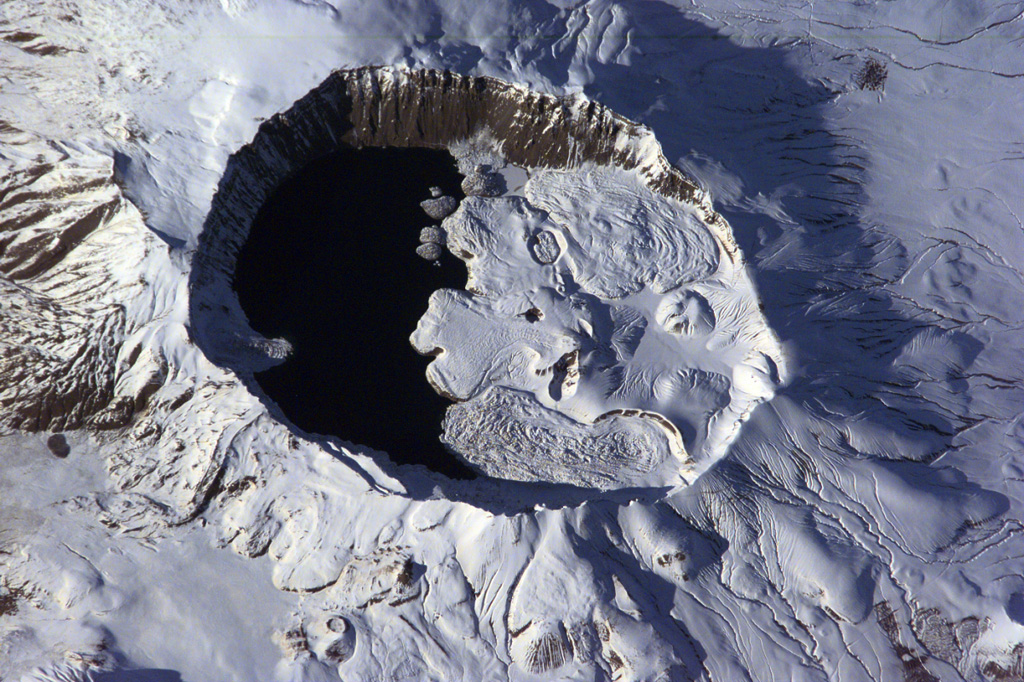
(600, 300)
(853, 504)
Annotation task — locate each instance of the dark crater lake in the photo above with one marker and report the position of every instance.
(330, 265)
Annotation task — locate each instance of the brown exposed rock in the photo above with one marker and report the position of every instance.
(58, 340)
(872, 75)
(432, 235)
(548, 652)
(482, 182)
(429, 251)
(56, 364)
(1006, 672)
(383, 577)
(292, 642)
(117, 414)
(544, 247)
(439, 208)
(9, 601)
(339, 651)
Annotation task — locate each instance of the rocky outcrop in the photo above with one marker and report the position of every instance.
(482, 121)
(61, 317)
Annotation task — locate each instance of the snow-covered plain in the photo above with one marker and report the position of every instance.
(858, 517)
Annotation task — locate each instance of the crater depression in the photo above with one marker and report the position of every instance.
(607, 335)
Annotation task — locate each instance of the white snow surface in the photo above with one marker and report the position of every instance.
(854, 502)
(599, 298)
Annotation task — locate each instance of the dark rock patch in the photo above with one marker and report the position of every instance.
(483, 182)
(58, 445)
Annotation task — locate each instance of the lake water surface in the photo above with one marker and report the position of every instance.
(330, 265)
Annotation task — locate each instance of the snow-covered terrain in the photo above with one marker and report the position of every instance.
(764, 424)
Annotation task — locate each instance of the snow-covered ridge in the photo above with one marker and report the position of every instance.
(62, 312)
